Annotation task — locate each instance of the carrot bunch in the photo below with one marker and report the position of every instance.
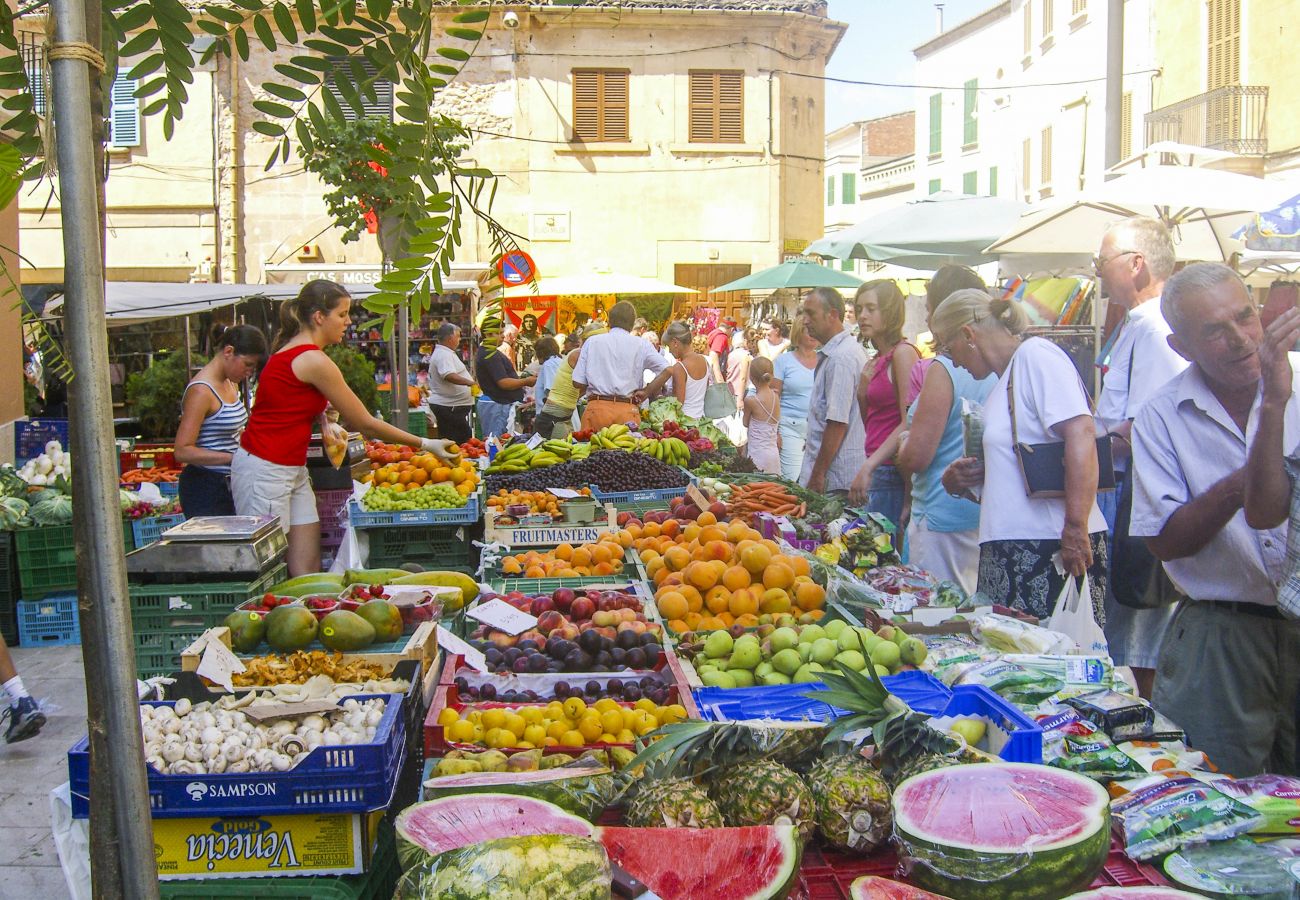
(764, 497)
(155, 475)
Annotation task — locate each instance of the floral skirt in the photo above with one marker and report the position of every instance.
(1021, 575)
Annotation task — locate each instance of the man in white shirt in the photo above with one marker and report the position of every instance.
(1230, 663)
(450, 398)
(611, 371)
(834, 446)
(1135, 258)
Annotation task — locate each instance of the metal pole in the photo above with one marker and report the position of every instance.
(1114, 81)
(116, 744)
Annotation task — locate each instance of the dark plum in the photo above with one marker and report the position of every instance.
(537, 663)
(648, 638)
(520, 665)
(562, 689)
(590, 641)
(651, 654)
(593, 687)
(488, 692)
(614, 686)
(618, 655)
(462, 684)
(632, 692)
(527, 645)
(635, 659)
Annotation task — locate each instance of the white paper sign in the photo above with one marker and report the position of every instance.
(564, 493)
(535, 441)
(454, 645)
(219, 664)
(503, 617)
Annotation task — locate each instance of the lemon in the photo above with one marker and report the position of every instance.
(626, 736)
(611, 720)
(571, 739)
(515, 724)
(475, 716)
(494, 718)
(535, 735)
(574, 707)
(645, 703)
(672, 713)
(557, 729)
(554, 710)
(461, 732)
(533, 715)
(608, 739)
(645, 722)
(604, 704)
(629, 717)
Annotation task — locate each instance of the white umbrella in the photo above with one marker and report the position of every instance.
(1202, 207)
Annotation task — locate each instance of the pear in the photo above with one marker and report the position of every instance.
(741, 677)
(849, 639)
(912, 651)
(808, 672)
(787, 662)
(718, 679)
(746, 655)
(824, 650)
(774, 678)
(886, 654)
(853, 659)
(834, 628)
(718, 644)
(810, 633)
(784, 638)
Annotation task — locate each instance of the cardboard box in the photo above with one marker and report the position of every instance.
(265, 846)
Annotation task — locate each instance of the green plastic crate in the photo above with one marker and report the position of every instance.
(9, 595)
(432, 546)
(160, 604)
(47, 559)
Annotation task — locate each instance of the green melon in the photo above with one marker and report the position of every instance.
(1001, 830)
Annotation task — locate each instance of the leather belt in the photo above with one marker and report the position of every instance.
(1250, 609)
(610, 398)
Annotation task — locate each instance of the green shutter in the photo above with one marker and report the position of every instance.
(970, 183)
(993, 181)
(830, 190)
(848, 190)
(846, 264)
(970, 132)
(936, 123)
(936, 185)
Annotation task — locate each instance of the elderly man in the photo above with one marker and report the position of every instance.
(1230, 662)
(834, 448)
(450, 399)
(611, 370)
(1135, 258)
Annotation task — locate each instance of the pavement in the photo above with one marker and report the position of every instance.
(29, 864)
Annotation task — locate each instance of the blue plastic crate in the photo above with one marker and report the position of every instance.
(360, 519)
(51, 622)
(150, 529)
(31, 436)
(646, 496)
(354, 779)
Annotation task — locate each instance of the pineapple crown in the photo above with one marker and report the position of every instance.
(696, 749)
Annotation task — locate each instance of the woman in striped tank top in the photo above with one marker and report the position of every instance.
(212, 417)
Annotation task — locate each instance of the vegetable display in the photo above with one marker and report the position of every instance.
(49, 467)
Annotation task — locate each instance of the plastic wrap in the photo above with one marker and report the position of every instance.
(1079, 673)
(1073, 743)
(581, 787)
(1179, 812)
(1260, 871)
(1014, 636)
(1275, 797)
(1121, 716)
(1025, 687)
(540, 867)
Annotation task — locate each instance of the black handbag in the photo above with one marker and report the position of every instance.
(1137, 579)
(1043, 465)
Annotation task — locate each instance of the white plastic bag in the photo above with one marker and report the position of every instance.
(1073, 616)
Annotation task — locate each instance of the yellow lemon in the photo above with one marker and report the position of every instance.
(494, 718)
(448, 717)
(571, 739)
(535, 735)
(461, 732)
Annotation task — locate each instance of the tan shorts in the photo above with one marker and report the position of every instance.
(262, 488)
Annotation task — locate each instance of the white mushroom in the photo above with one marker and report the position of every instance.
(292, 745)
(233, 752)
(173, 751)
(280, 762)
(237, 766)
(171, 724)
(183, 706)
(194, 752)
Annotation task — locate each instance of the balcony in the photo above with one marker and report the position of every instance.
(1228, 118)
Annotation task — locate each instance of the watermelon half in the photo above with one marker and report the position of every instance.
(873, 887)
(583, 791)
(436, 826)
(1149, 892)
(758, 862)
(999, 830)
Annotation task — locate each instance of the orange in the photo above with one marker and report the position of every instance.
(778, 575)
(742, 603)
(442, 473)
(736, 577)
(755, 558)
(717, 600)
(672, 605)
(677, 558)
(809, 596)
(775, 601)
(564, 551)
(700, 575)
(706, 518)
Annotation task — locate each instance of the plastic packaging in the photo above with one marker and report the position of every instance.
(1239, 868)
(1022, 686)
(1014, 636)
(1175, 813)
(334, 437)
(1077, 672)
(1275, 797)
(514, 868)
(1119, 715)
(1158, 756)
(972, 429)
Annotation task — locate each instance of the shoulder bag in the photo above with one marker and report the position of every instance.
(1043, 465)
(719, 402)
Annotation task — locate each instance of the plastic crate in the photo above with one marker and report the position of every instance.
(467, 514)
(47, 559)
(8, 589)
(150, 529)
(432, 546)
(31, 436)
(147, 456)
(331, 537)
(164, 605)
(332, 506)
(51, 622)
(619, 498)
(353, 779)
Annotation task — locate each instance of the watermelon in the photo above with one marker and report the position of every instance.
(999, 830)
(436, 826)
(583, 791)
(757, 862)
(513, 868)
(873, 887)
(1148, 892)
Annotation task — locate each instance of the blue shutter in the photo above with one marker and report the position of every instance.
(36, 80)
(124, 119)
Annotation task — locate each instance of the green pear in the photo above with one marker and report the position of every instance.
(882, 671)
(900, 636)
(834, 628)
(787, 662)
(805, 652)
(718, 679)
(718, 644)
(886, 632)
(746, 655)
(784, 638)
(808, 672)
(742, 677)
(912, 651)
(886, 654)
(774, 678)
(763, 668)
(869, 642)
(824, 650)
(853, 659)
(971, 728)
(810, 633)
(849, 639)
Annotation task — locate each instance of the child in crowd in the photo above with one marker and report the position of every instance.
(762, 412)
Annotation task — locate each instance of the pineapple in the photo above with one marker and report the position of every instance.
(672, 803)
(851, 803)
(764, 792)
(926, 762)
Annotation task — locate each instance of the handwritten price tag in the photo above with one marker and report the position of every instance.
(219, 664)
(455, 646)
(564, 493)
(503, 617)
(697, 497)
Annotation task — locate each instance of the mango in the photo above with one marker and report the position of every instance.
(247, 630)
(345, 631)
(384, 617)
(290, 628)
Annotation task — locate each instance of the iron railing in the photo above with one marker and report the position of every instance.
(1229, 118)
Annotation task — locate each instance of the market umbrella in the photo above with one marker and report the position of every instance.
(937, 230)
(1274, 231)
(595, 283)
(1202, 207)
(794, 274)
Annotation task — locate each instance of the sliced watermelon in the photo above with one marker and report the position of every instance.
(758, 862)
(873, 887)
(436, 826)
(1147, 892)
(999, 830)
(582, 791)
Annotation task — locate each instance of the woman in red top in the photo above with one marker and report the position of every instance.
(268, 475)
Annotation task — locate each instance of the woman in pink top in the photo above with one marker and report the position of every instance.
(883, 396)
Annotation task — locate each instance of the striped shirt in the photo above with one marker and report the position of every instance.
(220, 431)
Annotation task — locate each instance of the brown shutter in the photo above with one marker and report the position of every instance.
(600, 105)
(1223, 43)
(716, 107)
(1045, 159)
(1126, 126)
(1048, 17)
(1026, 170)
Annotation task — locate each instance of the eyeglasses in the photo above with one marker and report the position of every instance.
(1099, 263)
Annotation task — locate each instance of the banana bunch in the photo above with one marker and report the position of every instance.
(493, 323)
(543, 459)
(515, 458)
(580, 451)
(613, 437)
(562, 449)
(670, 450)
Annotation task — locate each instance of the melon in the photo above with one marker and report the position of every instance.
(998, 830)
(436, 826)
(583, 791)
(758, 862)
(873, 887)
(1148, 892)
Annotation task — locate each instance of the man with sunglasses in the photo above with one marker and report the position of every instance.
(1135, 258)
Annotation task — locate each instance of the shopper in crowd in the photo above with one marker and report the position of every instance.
(942, 530)
(833, 448)
(689, 375)
(792, 379)
(611, 369)
(1230, 661)
(775, 342)
(762, 419)
(640, 326)
(548, 355)
(883, 397)
(268, 474)
(213, 415)
(719, 347)
(556, 416)
(738, 360)
(450, 398)
(509, 342)
(1135, 258)
(502, 387)
(1038, 384)
(24, 715)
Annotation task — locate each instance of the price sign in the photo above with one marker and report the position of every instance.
(219, 664)
(564, 493)
(503, 617)
(697, 497)
(454, 645)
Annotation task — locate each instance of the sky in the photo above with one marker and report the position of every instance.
(878, 47)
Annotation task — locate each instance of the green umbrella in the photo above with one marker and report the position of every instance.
(796, 274)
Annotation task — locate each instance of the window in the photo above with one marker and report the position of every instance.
(846, 264)
(830, 190)
(717, 110)
(936, 185)
(936, 124)
(124, 113)
(1045, 158)
(1078, 6)
(970, 133)
(1126, 126)
(993, 181)
(1029, 27)
(970, 183)
(600, 105)
(848, 190)
(356, 76)
(1047, 16)
(34, 64)
(1223, 44)
(1026, 174)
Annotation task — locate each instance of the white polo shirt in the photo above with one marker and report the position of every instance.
(613, 364)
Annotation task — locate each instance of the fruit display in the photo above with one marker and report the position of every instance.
(669, 409)
(393, 497)
(1037, 832)
(669, 431)
(580, 786)
(589, 691)
(298, 668)
(1151, 892)
(536, 501)
(605, 557)
(571, 723)
(393, 465)
(400, 578)
(669, 449)
(519, 457)
(606, 470)
(851, 803)
(545, 865)
(873, 887)
(184, 738)
(747, 500)
(473, 448)
(594, 650)
(294, 625)
(403, 609)
(718, 863)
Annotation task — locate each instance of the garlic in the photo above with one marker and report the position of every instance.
(183, 707)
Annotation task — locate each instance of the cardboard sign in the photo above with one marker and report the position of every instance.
(535, 441)
(503, 617)
(564, 493)
(267, 712)
(219, 664)
(697, 497)
(452, 644)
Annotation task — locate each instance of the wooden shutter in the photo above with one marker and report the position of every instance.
(1126, 126)
(600, 105)
(1223, 43)
(970, 183)
(830, 190)
(716, 107)
(936, 185)
(1048, 16)
(1078, 6)
(993, 181)
(1045, 157)
(936, 124)
(848, 188)
(1026, 173)
(1029, 27)
(124, 117)
(970, 134)
(358, 75)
